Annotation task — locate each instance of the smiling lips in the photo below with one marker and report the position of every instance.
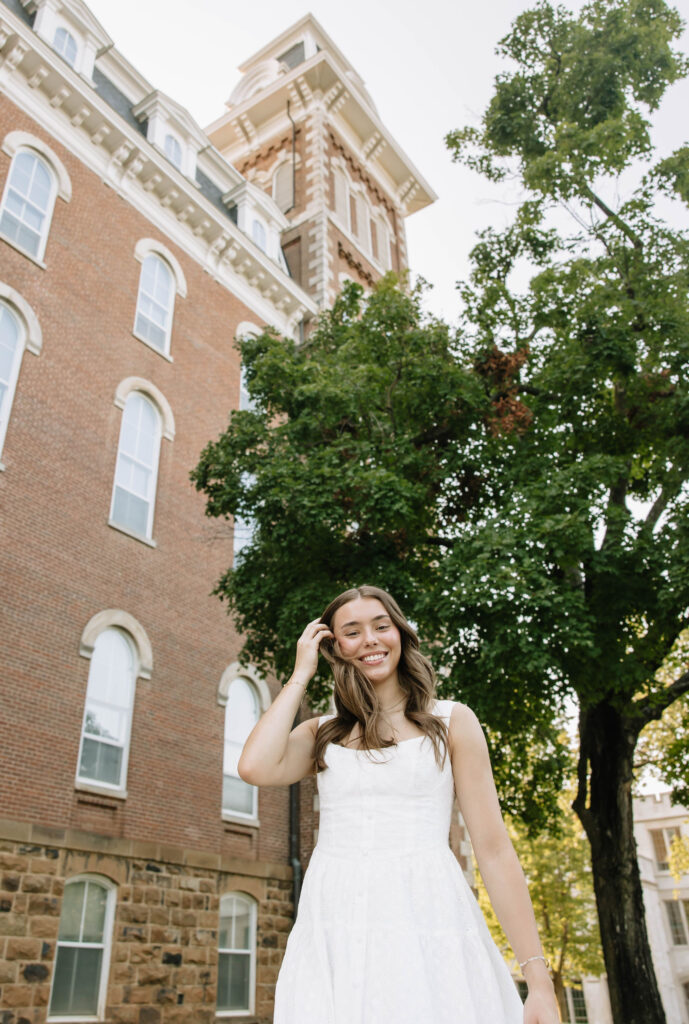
(374, 659)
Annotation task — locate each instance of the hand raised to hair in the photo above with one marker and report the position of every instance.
(308, 643)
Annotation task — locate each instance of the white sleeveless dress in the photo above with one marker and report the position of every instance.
(387, 929)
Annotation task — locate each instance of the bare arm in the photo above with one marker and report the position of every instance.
(497, 860)
(273, 755)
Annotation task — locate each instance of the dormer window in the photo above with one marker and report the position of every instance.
(70, 28)
(172, 129)
(173, 151)
(66, 45)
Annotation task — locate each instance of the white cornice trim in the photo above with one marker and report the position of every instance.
(343, 91)
(69, 109)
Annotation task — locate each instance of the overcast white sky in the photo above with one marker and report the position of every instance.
(429, 68)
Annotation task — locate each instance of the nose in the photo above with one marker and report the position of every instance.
(370, 639)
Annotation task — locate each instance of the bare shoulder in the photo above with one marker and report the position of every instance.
(464, 729)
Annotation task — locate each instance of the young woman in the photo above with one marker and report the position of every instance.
(388, 930)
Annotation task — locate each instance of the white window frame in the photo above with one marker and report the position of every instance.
(170, 311)
(108, 924)
(37, 256)
(30, 339)
(144, 248)
(250, 902)
(97, 785)
(148, 535)
(66, 35)
(665, 836)
(230, 813)
(7, 401)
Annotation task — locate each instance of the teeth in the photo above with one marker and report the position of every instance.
(373, 659)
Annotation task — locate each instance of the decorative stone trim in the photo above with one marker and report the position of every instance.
(32, 328)
(123, 620)
(129, 384)
(17, 140)
(234, 671)
(355, 264)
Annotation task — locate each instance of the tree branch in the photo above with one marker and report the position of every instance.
(650, 708)
(659, 505)
(614, 217)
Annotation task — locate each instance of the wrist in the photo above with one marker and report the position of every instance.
(297, 679)
(537, 975)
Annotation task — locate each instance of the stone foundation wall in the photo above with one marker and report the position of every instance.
(164, 952)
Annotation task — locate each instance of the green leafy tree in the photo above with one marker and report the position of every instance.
(521, 488)
(558, 870)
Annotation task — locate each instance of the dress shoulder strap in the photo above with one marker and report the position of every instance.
(443, 708)
(324, 718)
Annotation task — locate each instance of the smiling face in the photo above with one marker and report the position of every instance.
(365, 634)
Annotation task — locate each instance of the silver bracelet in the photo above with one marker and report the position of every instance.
(529, 959)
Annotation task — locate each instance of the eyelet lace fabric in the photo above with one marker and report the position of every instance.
(387, 928)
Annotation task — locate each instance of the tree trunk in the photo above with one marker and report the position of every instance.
(604, 807)
(560, 995)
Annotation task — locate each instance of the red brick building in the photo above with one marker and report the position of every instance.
(141, 881)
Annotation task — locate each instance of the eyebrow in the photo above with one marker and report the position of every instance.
(355, 623)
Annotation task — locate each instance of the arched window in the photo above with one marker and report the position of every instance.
(236, 954)
(362, 227)
(241, 715)
(258, 233)
(341, 197)
(82, 956)
(104, 748)
(173, 151)
(27, 204)
(66, 45)
(136, 472)
(11, 348)
(380, 242)
(155, 303)
(283, 187)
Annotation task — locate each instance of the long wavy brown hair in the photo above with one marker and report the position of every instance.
(355, 696)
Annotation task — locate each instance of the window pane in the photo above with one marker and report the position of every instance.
(66, 45)
(154, 301)
(94, 913)
(233, 981)
(173, 150)
(130, 511)
(77, 978)
(72, 907)
(579, 1006)
(258, 233)
(27, 201)
(679, 937)
(660, 848)
(241, 714)
(237, 795)
(100, 762)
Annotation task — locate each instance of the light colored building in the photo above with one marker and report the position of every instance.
(666, 899)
